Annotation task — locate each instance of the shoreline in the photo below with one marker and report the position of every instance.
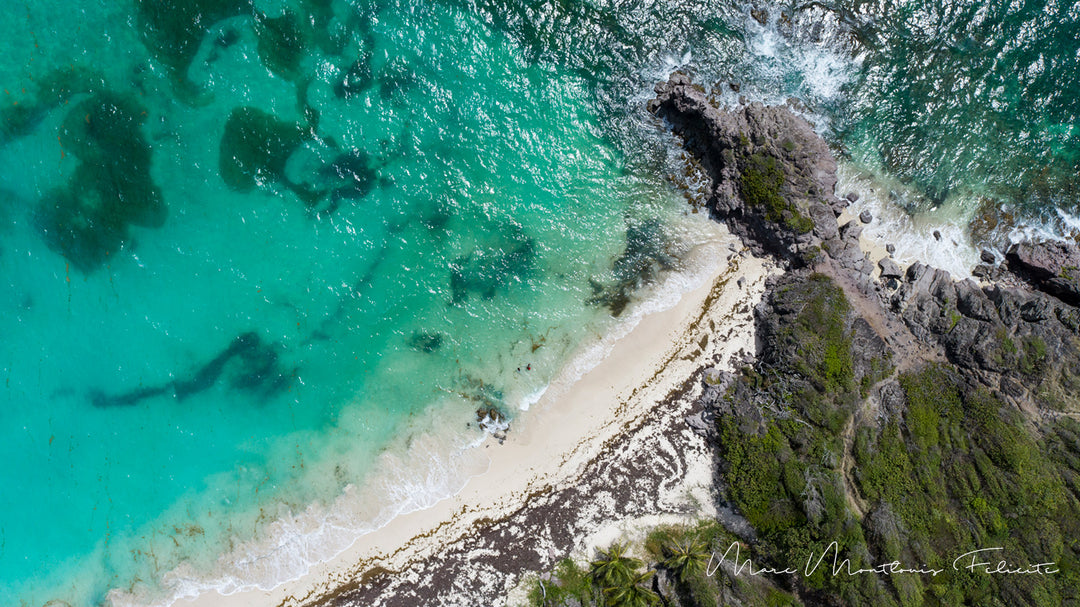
(566, 430)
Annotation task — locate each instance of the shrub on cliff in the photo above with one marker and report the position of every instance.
(942, 468)
(762, 186)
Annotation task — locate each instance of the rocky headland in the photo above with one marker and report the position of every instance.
(905, 415)
(893, 420)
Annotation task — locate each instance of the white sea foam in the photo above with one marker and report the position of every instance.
(420, 469)
(532, 398)
(1061, 228)
(912, 235)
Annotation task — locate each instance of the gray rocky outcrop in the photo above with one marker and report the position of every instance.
(1051, 267)
(773, 178)
(1016, 333)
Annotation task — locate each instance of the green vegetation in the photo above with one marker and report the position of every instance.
(1033, 358)
(963, 472)
(942, 467)
(762, 184)
(957, 470)
(678, 556)
(570, 584)
(612, 580)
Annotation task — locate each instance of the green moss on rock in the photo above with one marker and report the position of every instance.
(762, 184)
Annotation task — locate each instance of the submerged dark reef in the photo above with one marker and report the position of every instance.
(249, 364)
(110, 189)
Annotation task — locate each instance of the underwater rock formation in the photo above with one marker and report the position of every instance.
(255, 146)
(487, 269)
(172, 31)
(111, 189)
(281, 43)
(645, 255)
(250, 364)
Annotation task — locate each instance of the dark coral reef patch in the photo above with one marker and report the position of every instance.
(487, 269)
(255, 146)
(172, 30)
(281, 43)
(111, 188)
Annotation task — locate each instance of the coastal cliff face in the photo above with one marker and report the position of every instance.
(909, 417)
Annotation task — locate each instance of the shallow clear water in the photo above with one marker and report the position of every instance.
(254, 262)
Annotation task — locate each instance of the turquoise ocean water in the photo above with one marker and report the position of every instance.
(258, 256)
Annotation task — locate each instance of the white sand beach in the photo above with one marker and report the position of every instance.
(572, 425)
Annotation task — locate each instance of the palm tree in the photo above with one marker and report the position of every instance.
(685, 556)
(613, 568)
(633, 593)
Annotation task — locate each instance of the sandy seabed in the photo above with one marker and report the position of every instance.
(601, 456)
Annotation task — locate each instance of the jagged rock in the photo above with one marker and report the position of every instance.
(1007, 301)
(664, 584)
(866, 217)
(865, 266)
(852, 197)
(824, 222)
(868, 346)
(700, 426)
(1006, 343)
(1036, 310)
(973, 303)
(1011, 387)
(735, 86)
(850, 231)
(987, 331)
(773, 178)
(889, 268)
(713, 376)
(1051, 267)
(891, 397)
(890, 248)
